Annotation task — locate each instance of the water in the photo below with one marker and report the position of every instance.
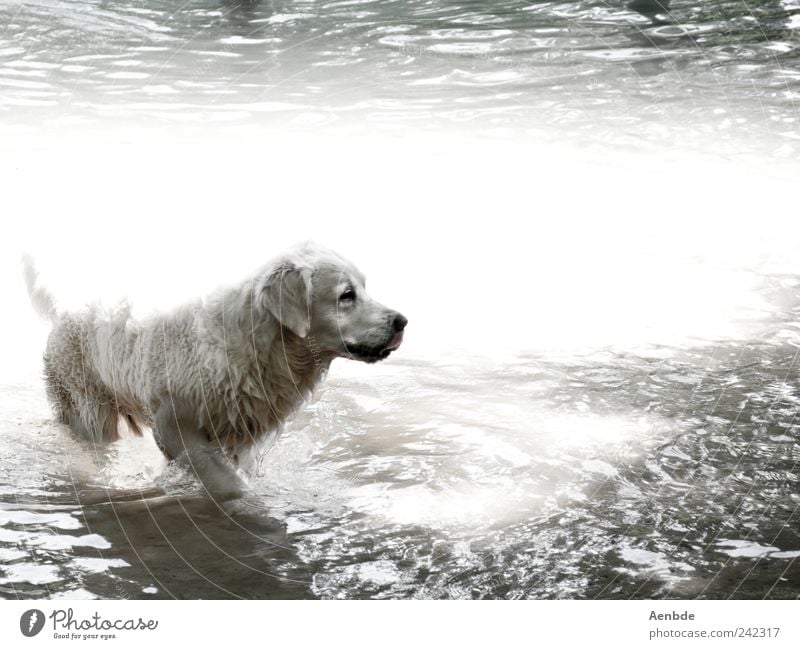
(613, 413)
(721, 75)
(672, 473)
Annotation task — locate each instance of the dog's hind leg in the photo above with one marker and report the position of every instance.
(77, 398)
(70, 408)
(59, 397)
(96, 419)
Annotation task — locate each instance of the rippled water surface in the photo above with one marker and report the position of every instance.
(668, 473)
(723, 75)
(659, 459)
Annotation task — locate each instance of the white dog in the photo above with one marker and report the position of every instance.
(216, 376)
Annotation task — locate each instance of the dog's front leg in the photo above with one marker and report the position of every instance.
(179, 438)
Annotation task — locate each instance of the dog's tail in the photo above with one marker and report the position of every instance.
(43, 301)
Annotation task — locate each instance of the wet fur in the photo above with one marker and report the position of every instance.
(233, 380)
(220, 374)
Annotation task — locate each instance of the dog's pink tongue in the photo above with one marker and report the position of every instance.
(395, 342)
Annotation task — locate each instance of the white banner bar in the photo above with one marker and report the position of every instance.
(370, 624)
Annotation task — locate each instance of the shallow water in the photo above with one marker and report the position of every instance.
(637, 438)
(671, 472)
(722, 76)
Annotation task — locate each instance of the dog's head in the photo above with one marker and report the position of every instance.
(319, 295)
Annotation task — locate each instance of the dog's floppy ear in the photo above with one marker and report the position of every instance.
(285, 293)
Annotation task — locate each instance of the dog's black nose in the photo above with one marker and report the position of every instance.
(400, 321)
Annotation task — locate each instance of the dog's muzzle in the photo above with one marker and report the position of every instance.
(374, 353)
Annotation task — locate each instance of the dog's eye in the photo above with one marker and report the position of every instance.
(349, 294)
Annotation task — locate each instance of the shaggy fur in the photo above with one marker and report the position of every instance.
(215, 376)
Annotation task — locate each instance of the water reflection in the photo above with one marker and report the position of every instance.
(655, 10)
(608, 475)
(145, 544)
(594, 68)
